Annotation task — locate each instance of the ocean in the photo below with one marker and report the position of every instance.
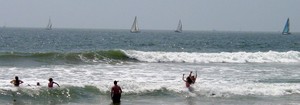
(233, 68)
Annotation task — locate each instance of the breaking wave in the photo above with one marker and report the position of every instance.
(117, 56)
(223, 57)
(109, 56)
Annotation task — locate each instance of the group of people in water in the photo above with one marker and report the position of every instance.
(17, 82)
(116, 90)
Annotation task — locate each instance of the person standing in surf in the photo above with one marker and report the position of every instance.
(116, 93)
(16, 82)
(51, 82)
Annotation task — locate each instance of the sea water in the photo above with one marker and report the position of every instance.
(242, 68)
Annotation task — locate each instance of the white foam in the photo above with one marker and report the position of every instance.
(215, 80)
(223, 57)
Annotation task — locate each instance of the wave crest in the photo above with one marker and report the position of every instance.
(118, 56)
(109, 56)
(223, 57)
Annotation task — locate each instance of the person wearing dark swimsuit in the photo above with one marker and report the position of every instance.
(16, 82)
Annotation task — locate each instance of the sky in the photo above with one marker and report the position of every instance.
(202, 15)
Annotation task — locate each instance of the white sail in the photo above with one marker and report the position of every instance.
(179, 27)
(135, 28)
(49, 26)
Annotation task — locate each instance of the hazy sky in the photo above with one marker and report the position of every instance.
(229, 15)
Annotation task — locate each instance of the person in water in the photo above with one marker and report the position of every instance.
(190, 79)
(16, 82)
(51, 82)
(38, 84)
(116, 93)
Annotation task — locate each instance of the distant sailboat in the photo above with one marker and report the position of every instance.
(179, 27)
(49, 26)
(286, 30)
(135, 28)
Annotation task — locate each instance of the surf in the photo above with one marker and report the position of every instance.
(43, 95)
(222, 57)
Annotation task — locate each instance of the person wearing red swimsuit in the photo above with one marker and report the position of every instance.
(51, 82)
(116, 93)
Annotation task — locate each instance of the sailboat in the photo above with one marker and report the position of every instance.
(135, 28)
(49, 26)
(286, 30)
(179, 27)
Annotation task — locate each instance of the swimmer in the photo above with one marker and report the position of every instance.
(51, 82)
(16, 82)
